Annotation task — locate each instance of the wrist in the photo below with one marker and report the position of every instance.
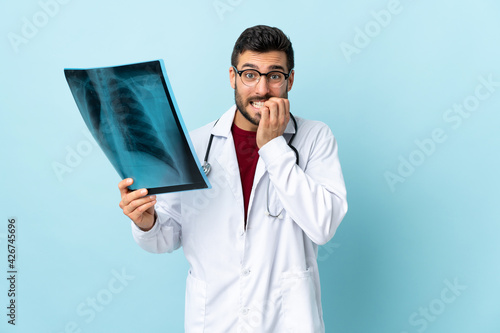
(147, 229)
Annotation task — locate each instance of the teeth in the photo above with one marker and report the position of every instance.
(258, 105)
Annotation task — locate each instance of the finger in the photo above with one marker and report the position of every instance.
(275, 113)
(130, 196)
(273, 109)
(281, 112)
(278, 107)
(123, 186)
(138, 214)
(134, 204)
(134, 195)
(138, 203)
(264, 116)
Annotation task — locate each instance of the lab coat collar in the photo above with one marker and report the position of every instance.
(223, 125)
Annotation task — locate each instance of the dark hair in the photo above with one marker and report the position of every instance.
(263, 38)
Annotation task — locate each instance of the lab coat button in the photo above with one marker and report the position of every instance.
(244, 311)
(245, 272)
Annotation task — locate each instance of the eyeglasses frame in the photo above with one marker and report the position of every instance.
(261, 74)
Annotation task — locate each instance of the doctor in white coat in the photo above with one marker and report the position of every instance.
(253, 270)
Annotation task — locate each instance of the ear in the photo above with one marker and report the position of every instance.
(290, 80)
(232, 77)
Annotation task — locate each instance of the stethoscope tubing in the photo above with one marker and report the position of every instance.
(207, 167)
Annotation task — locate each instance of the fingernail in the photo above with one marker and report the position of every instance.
(143, 191)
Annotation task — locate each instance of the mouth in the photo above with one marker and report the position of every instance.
(257, 104)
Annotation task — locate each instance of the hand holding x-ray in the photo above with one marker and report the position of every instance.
(137, 205)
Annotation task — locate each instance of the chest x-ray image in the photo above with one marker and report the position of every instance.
(132, 114)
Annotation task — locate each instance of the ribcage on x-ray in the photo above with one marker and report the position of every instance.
(136, 128)
(94, 107)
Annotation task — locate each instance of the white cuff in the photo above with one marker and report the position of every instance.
(274, 150)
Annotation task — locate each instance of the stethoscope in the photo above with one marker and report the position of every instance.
(207, 167)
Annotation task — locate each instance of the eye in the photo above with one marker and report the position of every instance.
(275, 76)
(250, 75)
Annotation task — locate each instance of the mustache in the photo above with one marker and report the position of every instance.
(258, 98)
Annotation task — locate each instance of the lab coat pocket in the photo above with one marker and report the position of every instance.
(196, 292)
(300, 307)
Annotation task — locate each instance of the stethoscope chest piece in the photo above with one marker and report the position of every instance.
(206, 168)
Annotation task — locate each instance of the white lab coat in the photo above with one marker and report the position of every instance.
(264, 278)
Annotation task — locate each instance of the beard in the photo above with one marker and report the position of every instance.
(240, 104)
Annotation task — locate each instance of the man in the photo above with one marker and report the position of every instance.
(251, 241)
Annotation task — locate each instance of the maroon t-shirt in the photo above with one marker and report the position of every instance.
(245, 143)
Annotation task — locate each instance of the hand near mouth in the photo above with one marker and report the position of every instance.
(274, 117)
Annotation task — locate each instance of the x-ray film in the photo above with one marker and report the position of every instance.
(132, 114)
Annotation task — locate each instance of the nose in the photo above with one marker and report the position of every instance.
(262, 87)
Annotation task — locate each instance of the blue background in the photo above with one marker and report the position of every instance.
(401, 247)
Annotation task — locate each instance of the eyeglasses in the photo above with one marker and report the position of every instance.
(250, 77)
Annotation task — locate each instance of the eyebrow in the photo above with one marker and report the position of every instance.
(272, 67)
